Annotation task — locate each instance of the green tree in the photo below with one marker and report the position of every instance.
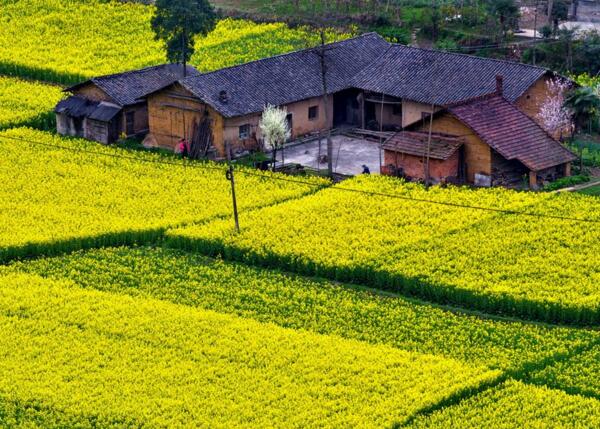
(177, 22)
(506, 12)
(560, 12)
(584, 103)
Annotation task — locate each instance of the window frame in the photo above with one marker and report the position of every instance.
(244, 135)
(313, 109)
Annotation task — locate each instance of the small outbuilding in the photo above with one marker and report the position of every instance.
(407, 153)
(106, 107)
(502, 145)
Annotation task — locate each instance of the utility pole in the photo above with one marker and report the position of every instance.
(230, 177)
(381, 132)
(321, 53)
(535, 17)
(428, 151)
(184, 48)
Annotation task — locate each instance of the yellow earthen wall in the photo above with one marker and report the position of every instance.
(92, 92)
(171, 115)
(532, 100)
(478, 155)
(301, 125)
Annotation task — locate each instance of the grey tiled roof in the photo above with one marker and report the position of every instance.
(441, 78)
(75, 106)
(285, 78)
(127, 88)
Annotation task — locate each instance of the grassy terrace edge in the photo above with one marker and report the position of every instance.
(411, 287)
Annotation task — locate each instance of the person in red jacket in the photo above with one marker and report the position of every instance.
(182, 148)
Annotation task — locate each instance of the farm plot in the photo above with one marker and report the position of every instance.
(236, 42)
(56, 199)
(75, 357)
(517, 405)
(580, 374)
(25, 103)
(539, 268)
(70, 41)
(307, 304)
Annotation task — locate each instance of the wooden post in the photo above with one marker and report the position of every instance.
(326, 104)
(230, 177)
(362, 111)
(428, 152)
(567, 169)
(533, 180)
(381, 132)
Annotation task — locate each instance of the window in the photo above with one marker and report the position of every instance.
(313, 113)
(290, 122)
(129, 123)
(244, 131)
(397, 109)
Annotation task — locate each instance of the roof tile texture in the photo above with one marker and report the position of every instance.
(512, 133)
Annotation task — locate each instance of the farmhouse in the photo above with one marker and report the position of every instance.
(484, 110)
(103, 108)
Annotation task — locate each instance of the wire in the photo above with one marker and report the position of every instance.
(316, 185)
(502, 46)
(112, 155)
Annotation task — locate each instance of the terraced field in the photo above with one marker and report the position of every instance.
(127, 299)
(540, 265)
(27, 103)
(70, 41)
(64, 194)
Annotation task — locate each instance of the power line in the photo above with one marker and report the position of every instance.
(315, 185)
(502, 45)
(111, 155)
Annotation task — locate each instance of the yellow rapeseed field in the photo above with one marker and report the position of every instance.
(536, 267)
(517, 405)
(72, 357)
(27, 103)
(69, 41)
(56, 199)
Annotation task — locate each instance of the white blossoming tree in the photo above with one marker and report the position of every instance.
(274, 128)
(554, 116)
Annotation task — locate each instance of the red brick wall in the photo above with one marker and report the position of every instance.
(413, 166)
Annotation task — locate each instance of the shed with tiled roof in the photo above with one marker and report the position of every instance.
(119, 106)
(418, 155)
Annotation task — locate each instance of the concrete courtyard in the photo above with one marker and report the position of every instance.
(349, 155)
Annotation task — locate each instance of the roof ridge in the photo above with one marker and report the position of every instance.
(128, 72)
(460, 54)
(474, 99)
(337, 42)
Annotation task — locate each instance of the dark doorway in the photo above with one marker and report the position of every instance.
(371, 116)
(346, 109)
(290, 122)
(130, 123)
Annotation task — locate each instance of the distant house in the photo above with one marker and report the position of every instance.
(103, 108)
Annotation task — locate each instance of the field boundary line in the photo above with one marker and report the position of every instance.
(142, 237)
(520, 374)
